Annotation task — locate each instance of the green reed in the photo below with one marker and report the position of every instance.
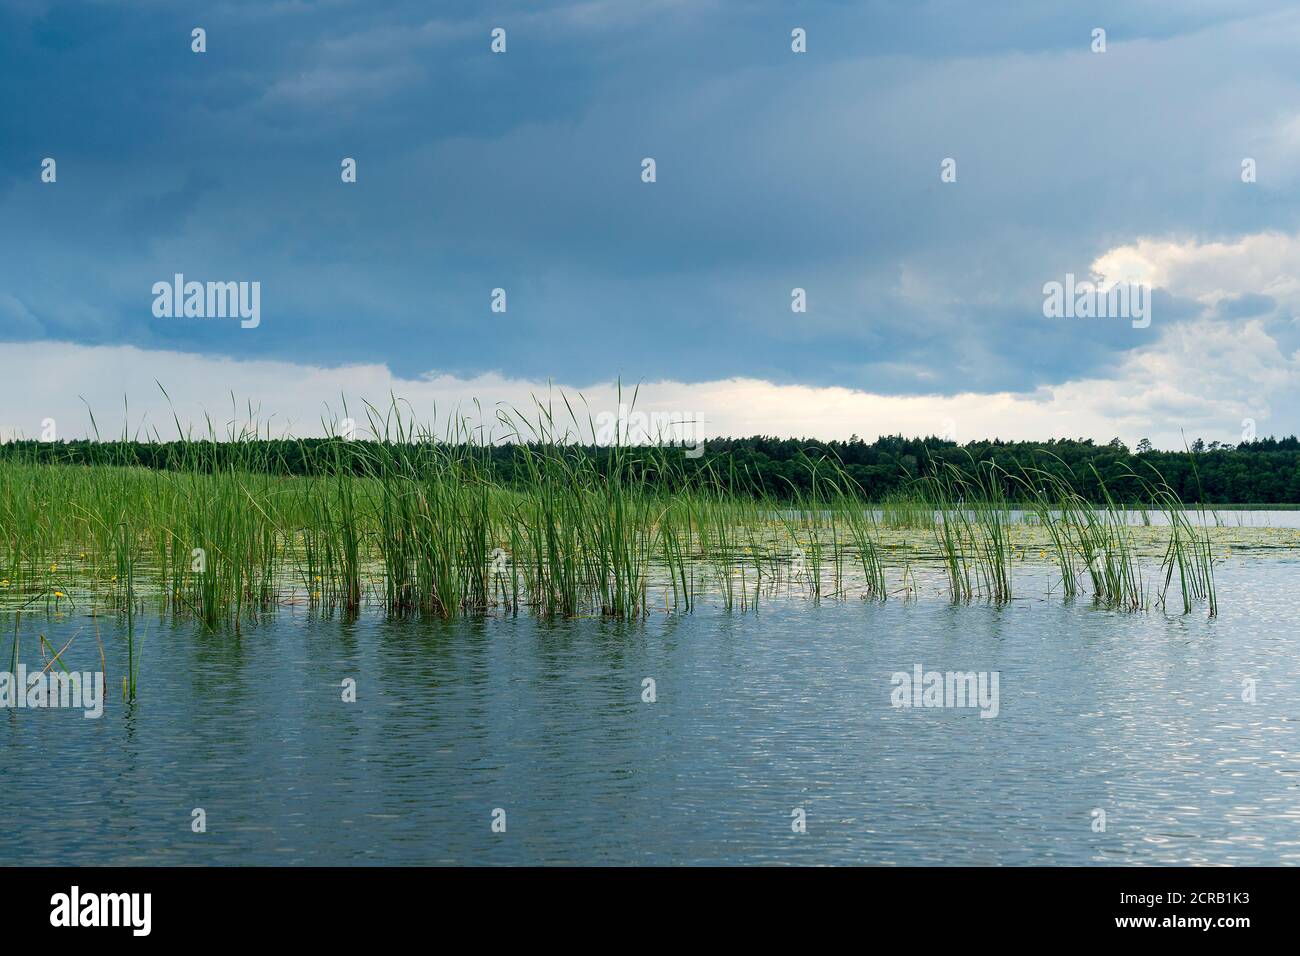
(417, 522)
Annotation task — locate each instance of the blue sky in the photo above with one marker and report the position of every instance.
(775, 170)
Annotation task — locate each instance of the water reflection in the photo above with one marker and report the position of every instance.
(1138, 715)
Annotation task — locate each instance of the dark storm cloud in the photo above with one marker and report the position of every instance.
(521, 171)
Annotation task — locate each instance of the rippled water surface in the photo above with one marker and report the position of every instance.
(1139, 715)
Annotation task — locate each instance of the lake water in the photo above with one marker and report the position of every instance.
(1139, 715)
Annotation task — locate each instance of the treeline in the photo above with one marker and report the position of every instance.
(1265, 471)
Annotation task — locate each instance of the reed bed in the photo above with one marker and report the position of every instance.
(417, 523)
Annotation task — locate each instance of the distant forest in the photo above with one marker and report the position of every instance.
(1265, 471)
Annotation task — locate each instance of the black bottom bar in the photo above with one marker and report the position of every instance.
(220, 904)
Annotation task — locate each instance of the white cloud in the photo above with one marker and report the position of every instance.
(1199, 378)
(1160, 394)
(1266, 263)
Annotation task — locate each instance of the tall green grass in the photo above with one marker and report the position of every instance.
(416, 522)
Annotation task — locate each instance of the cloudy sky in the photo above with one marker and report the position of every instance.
(775, 170)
